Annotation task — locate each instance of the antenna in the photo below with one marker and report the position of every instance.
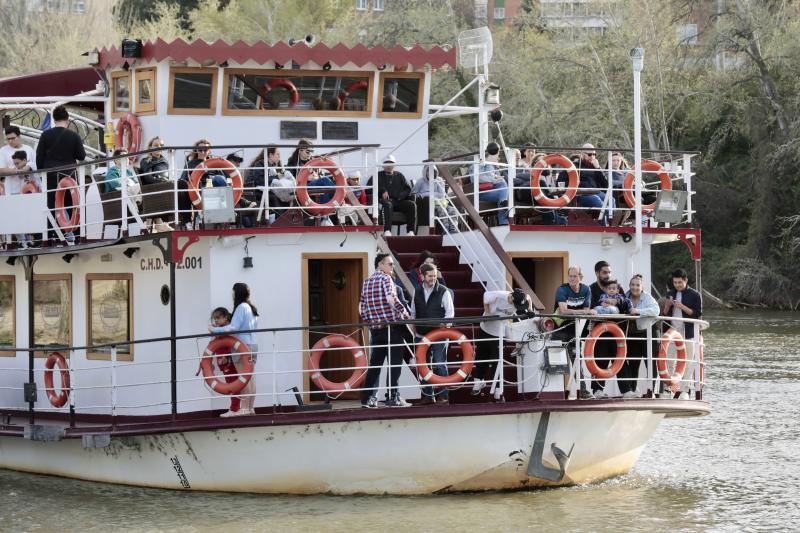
(475, 48)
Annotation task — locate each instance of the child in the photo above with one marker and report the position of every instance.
(611, 301)
(222, 317)
(347, 213)
(15, 184)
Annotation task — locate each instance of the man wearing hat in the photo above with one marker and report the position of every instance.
(393, 192)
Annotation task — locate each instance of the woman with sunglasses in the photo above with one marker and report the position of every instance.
(301, 155)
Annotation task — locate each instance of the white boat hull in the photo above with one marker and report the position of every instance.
(398, 456)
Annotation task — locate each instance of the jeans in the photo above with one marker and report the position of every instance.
(595, 201)
(501, 197)
(379, 338)
(437, 357)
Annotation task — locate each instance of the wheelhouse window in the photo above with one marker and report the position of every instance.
(401, 95)
(52, 312)
(110, 314)
(121, 93)
(297, 93)
(8, 322)
(145, 91)
(192, 91)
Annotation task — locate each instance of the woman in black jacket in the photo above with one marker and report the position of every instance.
(153, 168)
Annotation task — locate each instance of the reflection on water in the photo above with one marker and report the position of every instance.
(735, 470)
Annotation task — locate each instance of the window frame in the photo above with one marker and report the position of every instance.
(378, 5)
(106, 356)
(362, 5)
(57, 277)
(115, 113)
(13, 280)
(145, 74)
(228, 72)
(199, 110)
(420, 95)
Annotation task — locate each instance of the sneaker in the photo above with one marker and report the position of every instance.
(229, 414)
(161, 227)
(326, 222)
(427, 400)
(683, 396)
(442, 400)
(478, 386)
(630, 394)
(409, 234)
(584, 394)
(387, 233)
(70, 238)
(600, 395)
(397, 401)
(372, 403)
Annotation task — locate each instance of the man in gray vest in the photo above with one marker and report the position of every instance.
(433, 301)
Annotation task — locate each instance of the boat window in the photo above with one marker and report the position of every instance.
(401, 95)
(52, 312)
(145, 91)
(121, 87)
(297, 93)
(110, 317)
(8, 322)
(192, 91)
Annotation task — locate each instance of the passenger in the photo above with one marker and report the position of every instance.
(605, 348)
(602, 271)
(201, 152)
(153, 168)
(393, 194)
(114, 181)
(379, 304)
(593, 182)
(646, 307)
(13, 145)
(612, 302)
(433, 300)
(246, 209)
(572, 298)
(20, 161)
(684, 302)
(222, 317)
(503, 303)
(619, 169)
(301, 155)
(415, 275)
(442, 208)
(244, 321)
(347, 213)
(492, 185)
(59, 146)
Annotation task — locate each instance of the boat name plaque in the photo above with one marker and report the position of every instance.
(156, 263)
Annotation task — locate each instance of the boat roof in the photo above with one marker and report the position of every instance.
(261, 52)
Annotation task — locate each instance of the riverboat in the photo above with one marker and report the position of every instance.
(101, 338)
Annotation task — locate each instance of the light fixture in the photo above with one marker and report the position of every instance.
(130, 252)
(670, 205)
(327, 66)
(11, 260)
(248, 261)
(492, 94)
(67, 258)
(309, 40)
(278, 66)
(131, 48)
(637, 58)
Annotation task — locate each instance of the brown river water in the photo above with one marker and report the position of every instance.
(735, 470)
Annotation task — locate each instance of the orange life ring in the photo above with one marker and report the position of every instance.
(234, 345)
(467, 350)
(67, 224)
(551, 160)
(129, 125)
(350, 89)
(30, 187)
(619, 357)
(673, 380)
(294, 94)
(337, 341)
(303, 198)
(648, 165)
(56, 399)
(210, 164)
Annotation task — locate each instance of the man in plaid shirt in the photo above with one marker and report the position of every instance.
(379, 304)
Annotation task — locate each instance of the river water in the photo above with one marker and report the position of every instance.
(735, 470)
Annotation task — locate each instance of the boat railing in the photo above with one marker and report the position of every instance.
(286, 377)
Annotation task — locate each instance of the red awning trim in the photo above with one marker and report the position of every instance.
(240, 52)
(56, 83)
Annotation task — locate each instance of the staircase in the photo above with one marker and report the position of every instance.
(467, 294)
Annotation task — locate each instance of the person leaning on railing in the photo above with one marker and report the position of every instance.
(646, 307)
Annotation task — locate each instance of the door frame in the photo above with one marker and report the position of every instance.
(540, 255)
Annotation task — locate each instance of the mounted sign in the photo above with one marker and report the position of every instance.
(340, 131)
(296, 129)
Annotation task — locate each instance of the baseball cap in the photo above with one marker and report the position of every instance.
(390, 159)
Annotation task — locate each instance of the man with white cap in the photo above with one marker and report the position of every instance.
(393, 192)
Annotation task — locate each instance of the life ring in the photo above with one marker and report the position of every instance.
(234, 345)
(673, 380)
(551, 160)
(294, 94)
(467, 351)
(211, 164)
(129, 124)
(648, 165)
(337, 341)
(619, 357)
(30, 187)
(67, 224)
(56, 399)
(350, 89)
(303, 198)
